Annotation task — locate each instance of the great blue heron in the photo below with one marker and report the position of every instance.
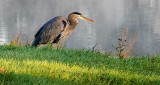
(57, 29)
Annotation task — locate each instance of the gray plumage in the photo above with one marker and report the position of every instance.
(57, 28)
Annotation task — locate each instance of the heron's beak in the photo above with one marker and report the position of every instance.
(88, 19)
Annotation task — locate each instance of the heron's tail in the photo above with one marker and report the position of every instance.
(35, 42)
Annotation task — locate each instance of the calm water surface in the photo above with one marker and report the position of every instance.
(141, 17)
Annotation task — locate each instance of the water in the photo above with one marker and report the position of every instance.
(141, 17)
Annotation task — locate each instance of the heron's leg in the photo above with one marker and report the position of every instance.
(60, 45)
(61, 42)
(56, 45)
(40, 45)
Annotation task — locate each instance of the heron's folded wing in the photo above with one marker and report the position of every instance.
(51, 30)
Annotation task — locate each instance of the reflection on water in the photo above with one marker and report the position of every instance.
(3, 33)
(140, 16)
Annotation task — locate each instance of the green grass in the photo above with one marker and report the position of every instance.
(39, 66)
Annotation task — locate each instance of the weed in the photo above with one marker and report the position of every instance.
(124, 48)
(17, 41)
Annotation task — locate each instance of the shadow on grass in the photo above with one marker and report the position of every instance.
(24, 79)
(19, 79)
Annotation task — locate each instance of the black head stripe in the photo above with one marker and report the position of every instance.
(76, 13)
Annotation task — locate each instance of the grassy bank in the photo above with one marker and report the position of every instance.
(29, 65)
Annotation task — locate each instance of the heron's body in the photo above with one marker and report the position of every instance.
(56, 29)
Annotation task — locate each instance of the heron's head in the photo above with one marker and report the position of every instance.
(77, 15)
